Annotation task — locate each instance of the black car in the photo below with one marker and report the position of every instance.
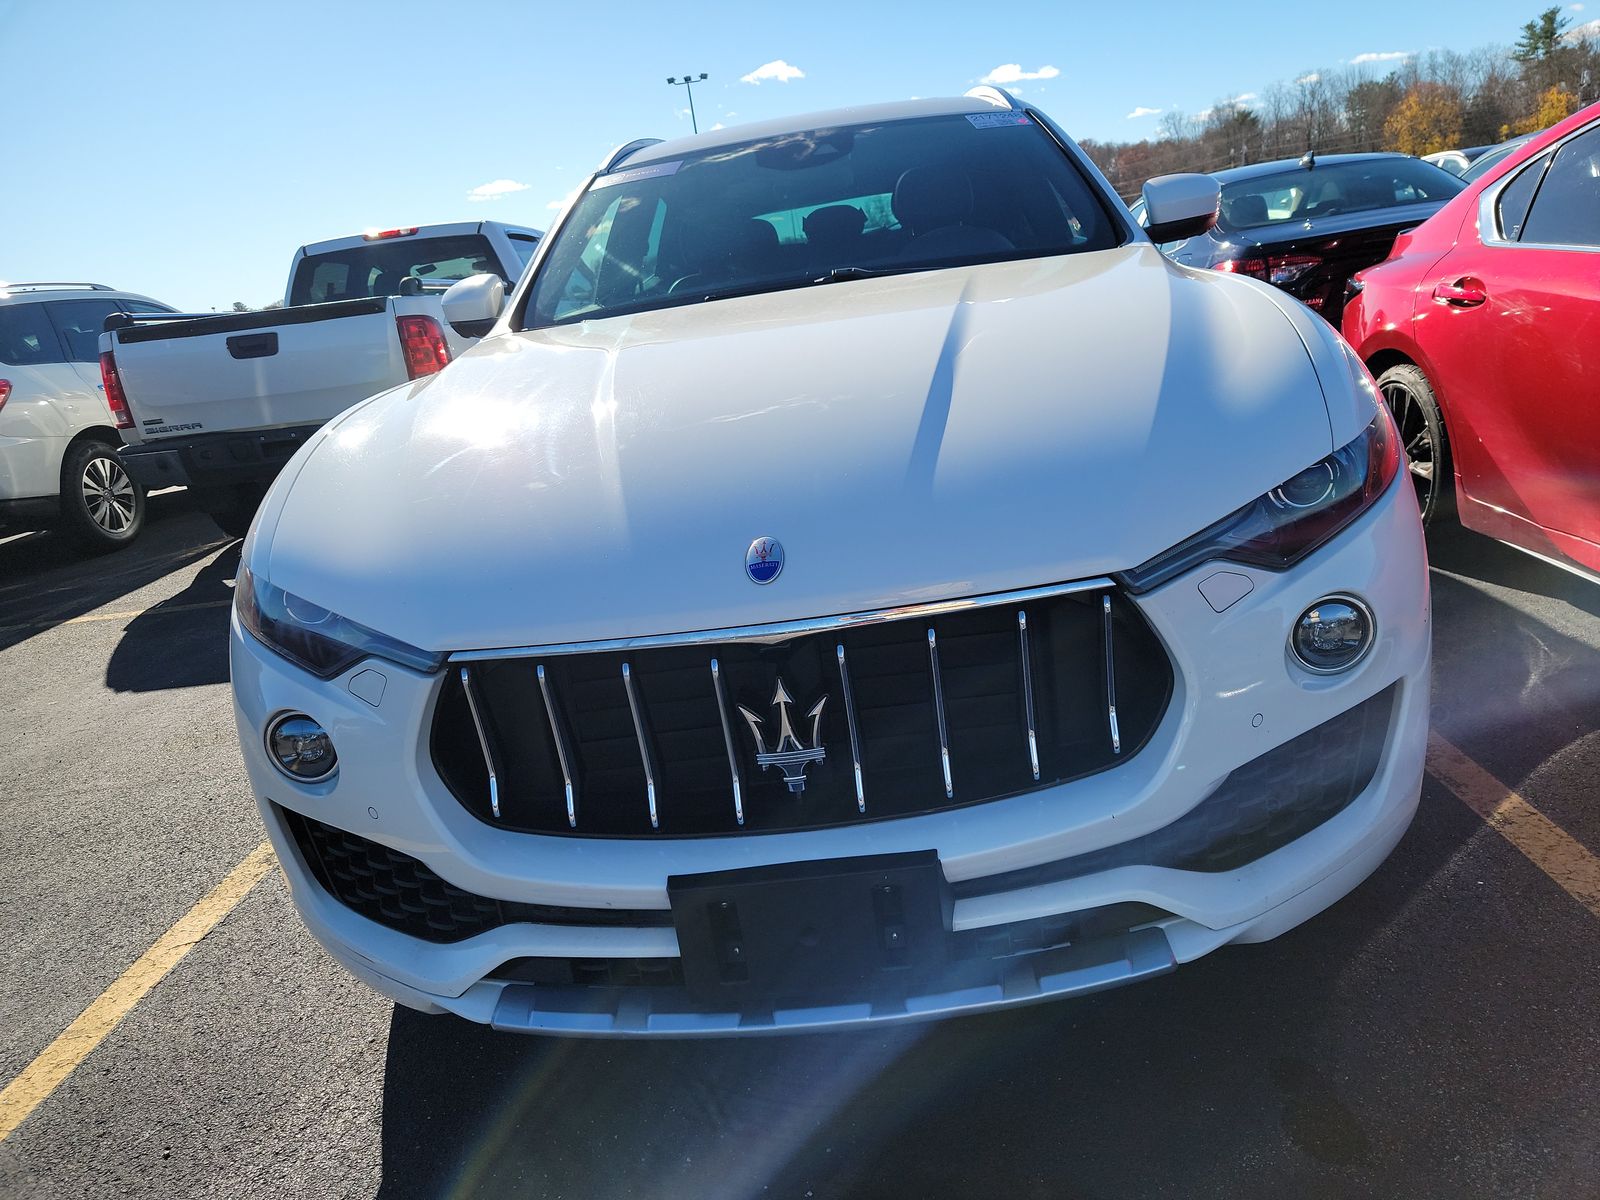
(1307, 225)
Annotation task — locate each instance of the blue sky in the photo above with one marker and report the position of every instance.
(185, 150)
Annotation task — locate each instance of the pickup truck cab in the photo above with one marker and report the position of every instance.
(219, 403)
(58, 446)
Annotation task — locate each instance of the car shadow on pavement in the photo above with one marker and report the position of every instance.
(45, 580)
(1473, 556)
(1240, 1052)
(1514, 684)
(183, 641)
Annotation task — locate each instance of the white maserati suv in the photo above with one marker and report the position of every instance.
(856, 578)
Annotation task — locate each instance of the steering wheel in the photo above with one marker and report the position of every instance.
(683, 279)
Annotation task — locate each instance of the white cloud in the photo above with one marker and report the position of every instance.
(495, 189)
(1373, 56)
(558, 205)
(1311, 77)
(1142, 111)
(1013, 73)
(717, 126)
(1243, 98)
(776, 69)
(1575, 7)
(1582, 33)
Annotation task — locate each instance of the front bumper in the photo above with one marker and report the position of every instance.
(1237, 696)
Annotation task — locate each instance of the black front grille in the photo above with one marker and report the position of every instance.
(403, 894)
(1098, 677)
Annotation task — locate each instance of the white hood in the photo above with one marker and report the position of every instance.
(911, 438)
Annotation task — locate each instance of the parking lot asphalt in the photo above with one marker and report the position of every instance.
(1434, 1034)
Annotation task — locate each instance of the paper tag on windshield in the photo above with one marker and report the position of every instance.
(995, 120)
(647, 172)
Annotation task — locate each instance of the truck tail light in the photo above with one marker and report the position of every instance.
(421, 341)
(378, 235)
(116, 400)
(5, 391)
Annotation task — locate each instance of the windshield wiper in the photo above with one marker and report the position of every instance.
(841, 274)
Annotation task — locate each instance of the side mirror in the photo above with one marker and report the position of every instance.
(473, 305)
(1180, 206)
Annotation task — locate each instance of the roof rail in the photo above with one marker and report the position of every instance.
(46, 284)
(621, 153)
(998, 97)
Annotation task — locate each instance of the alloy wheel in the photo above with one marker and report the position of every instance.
(1416, 438)
(108, 494)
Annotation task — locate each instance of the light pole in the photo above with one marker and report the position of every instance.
(687, 83)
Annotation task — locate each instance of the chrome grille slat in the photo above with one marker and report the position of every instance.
(727, 739)
(644, 745)
(850, 721)
(562, 756)
(483, 741)
(1027, 690)
(1111, 678)
(938, 709)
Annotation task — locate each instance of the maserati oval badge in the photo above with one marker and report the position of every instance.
(763, 562)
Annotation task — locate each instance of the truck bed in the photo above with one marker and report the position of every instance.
(279, 368)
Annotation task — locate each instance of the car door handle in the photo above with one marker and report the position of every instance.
(1463, 293)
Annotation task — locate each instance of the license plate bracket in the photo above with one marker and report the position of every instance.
(812, 932)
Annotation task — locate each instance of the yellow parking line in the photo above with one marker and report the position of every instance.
(126, 615)
(45, 1073)
(1549, 847)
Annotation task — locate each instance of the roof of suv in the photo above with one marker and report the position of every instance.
(899, 110)
(24, 293)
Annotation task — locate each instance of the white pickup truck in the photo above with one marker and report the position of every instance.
(219, 403)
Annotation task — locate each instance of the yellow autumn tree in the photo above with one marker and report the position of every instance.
(1555, 104)
(1427, 120)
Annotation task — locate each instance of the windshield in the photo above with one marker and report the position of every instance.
(1329, 189)
(1490, 159)
(376, 268)
(809, 206)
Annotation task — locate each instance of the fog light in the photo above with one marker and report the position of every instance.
(301, 748)
(1332, 635)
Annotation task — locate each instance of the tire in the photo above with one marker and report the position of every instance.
(102, 507)
(232, 509)
(1423, 440)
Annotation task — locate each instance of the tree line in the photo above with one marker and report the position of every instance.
(1438, 100)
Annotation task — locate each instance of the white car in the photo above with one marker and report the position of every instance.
(218, 403)
(857, 578)
(58, 441)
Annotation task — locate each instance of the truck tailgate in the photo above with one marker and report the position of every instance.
(296, 366)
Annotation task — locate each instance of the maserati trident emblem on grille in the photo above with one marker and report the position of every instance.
(789, 754)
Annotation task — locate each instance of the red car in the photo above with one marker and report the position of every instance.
(1483, 330)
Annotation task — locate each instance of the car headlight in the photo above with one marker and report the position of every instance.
(1278, 529)
(310, 636)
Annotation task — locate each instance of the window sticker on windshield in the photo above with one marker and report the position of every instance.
(649, 172)
(996, 120)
